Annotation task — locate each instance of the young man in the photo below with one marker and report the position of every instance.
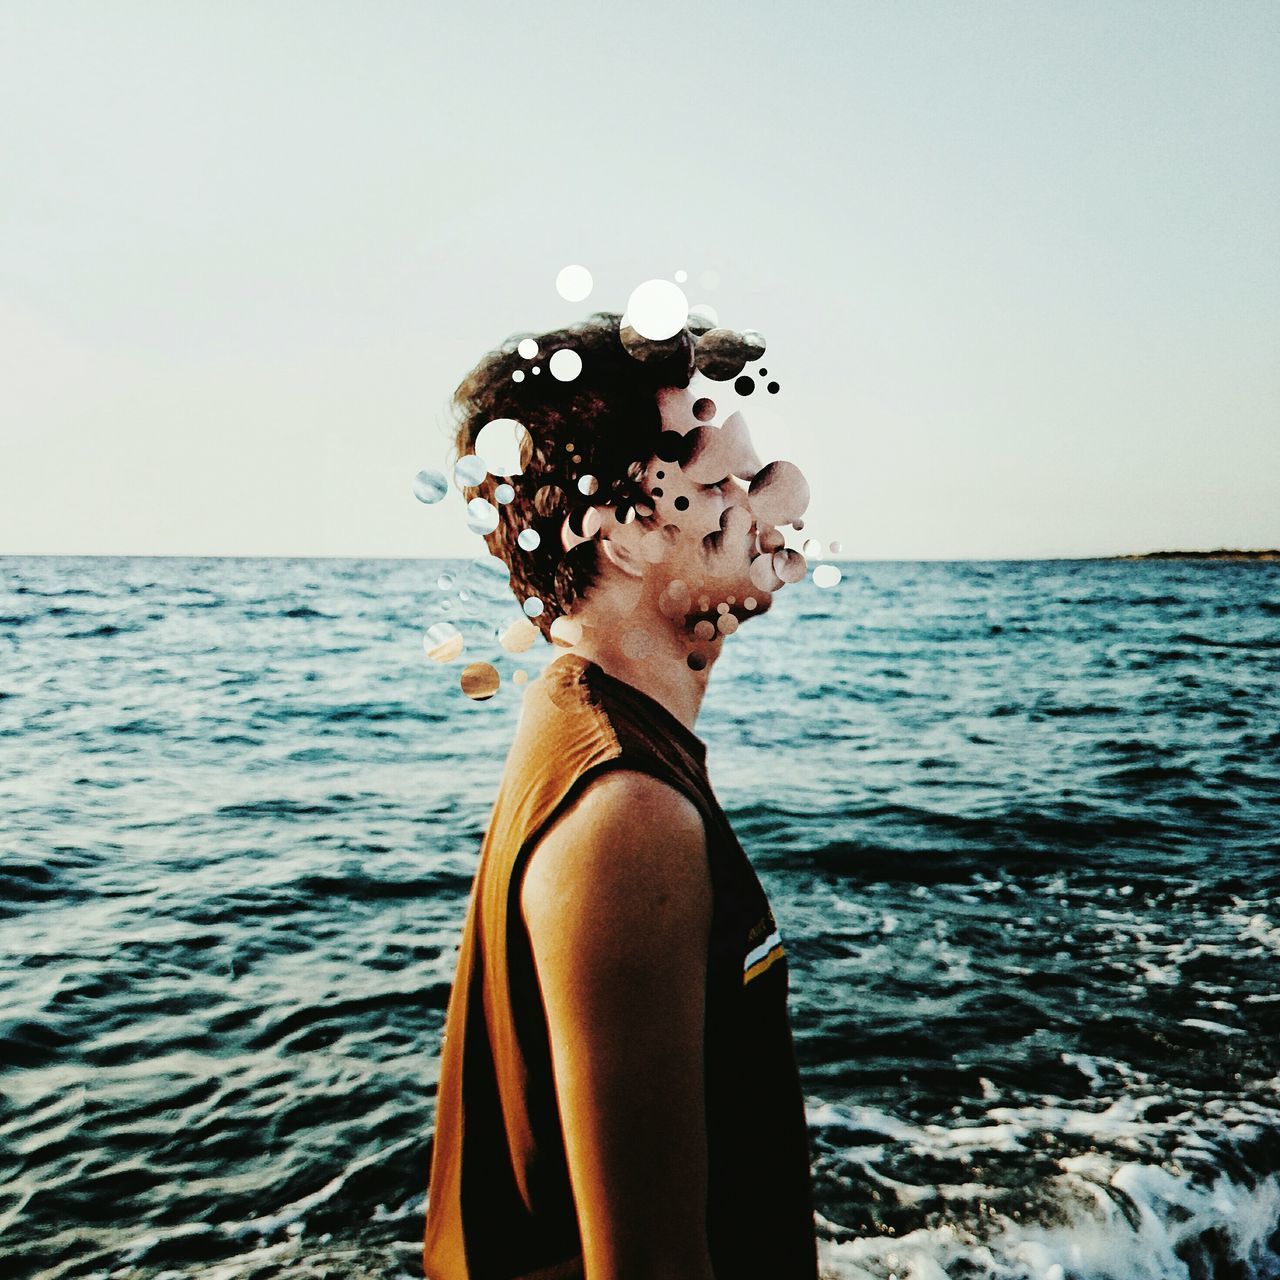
(618, 1090)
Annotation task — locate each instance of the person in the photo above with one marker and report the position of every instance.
(618, 1092)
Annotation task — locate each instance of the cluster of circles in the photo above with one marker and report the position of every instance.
(656, 312)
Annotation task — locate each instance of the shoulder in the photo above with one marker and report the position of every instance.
(629, 854)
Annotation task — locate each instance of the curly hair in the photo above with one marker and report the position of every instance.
(604, 424)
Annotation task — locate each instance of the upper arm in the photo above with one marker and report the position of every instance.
(617, 902)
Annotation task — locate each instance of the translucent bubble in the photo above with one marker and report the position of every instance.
(587, 485)
(519, 676)
(517, 375)
(681, 277)
(657, 309)
(574, 283)
(502, 446)
(469, 470)
(533, 606)
(637, 644)
(565, 364)
(490, 579)
(518, 636)
(826, 575)
(835, 548)
(442, 642)
(789, 565)
(727, 624)
(704, 630)
(429, 486)
(549, 499)
(444, 581)
(480, 681)
(482, 516)
(464, 595)
(527, 348)
(528, 539)
(812, 549)
(566, 631)
(504, 493)
(706, 313)
(749, 603)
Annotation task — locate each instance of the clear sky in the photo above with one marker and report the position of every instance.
(1018, 264)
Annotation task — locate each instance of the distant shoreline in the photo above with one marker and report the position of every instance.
(1223, 554)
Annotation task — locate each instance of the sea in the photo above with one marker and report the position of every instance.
(1019, 823)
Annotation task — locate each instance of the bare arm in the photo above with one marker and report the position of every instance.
(617, 902)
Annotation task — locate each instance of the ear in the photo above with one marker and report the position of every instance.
(621, 557)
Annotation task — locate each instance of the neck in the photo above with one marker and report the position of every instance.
(663, 672)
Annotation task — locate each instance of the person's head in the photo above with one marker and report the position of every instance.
(625, 479)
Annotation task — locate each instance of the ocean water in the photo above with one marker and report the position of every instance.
(1019, 823)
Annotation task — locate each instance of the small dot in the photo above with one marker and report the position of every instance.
(587, 485)
(733, 599)
(660, 474)
(762, 371)
(528, 539)
(528, 348)
(704, 630)
(536, 369)
(573, 283)
(696, 661)
(681, 277)
(682, 503)
(577, 457)
(722, 607)
(532, 607)
(797, 525)
(569, 447)
(519, 676)
(744, 385)
(518, 376)
(772, 388)
(565, 364)
(749, 603)
(704, 603)
(504, 493)
(657, 493)
(704, 409)
(835, 548)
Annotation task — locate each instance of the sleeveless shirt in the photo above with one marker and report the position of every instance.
(500, 1204)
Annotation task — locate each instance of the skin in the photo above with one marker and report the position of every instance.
(619, 911)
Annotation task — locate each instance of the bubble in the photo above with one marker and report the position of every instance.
(834, 548)
(657, 309)
(444, 581)
(574, 283)
(518, 636)
(727, 624)
(681, 277)
(566, 631)
(490, 579)
(504, 493)
(812, 549)
(704, 316)
(464, 595)
(429, 486)
(536, 369)
(704, 409)
(519, 676)
(697, 661)
(565, 364)
(826, 575)
(482, 516)
(587, 485)
(532, 607)
(704, 630)
(772, 388)
(469, 470)
(722, 607)
(528, 539)
(503, 446)
(744, 385)
(797, 525)
(789, 565)
(637, 644)
(480, 681)
(527, 348)
(442, 642)
(517, 375)
(549, 499)
(779, 493)
(749, 604)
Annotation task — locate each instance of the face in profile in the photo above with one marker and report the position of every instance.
(708, 543)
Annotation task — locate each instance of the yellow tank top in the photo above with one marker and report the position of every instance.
(500, 1204)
